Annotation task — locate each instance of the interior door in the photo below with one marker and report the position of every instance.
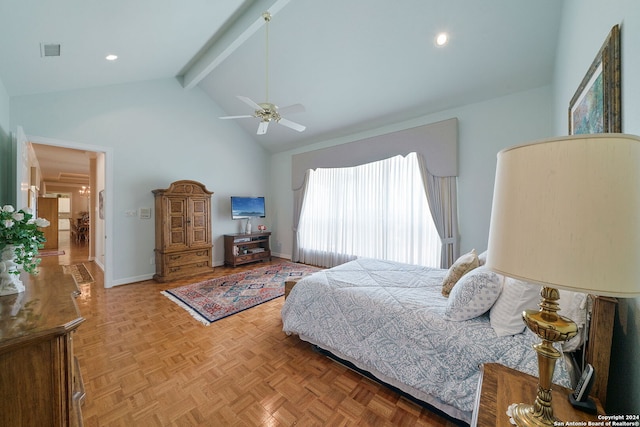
(48, 209)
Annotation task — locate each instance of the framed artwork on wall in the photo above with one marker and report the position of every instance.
(101, 204)
(596, 105)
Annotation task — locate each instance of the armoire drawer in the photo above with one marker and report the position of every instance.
(196, 256)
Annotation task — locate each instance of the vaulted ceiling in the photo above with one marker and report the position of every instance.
(354, 65)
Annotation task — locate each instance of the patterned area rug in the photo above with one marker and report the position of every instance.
(215, 299)
(79, 272)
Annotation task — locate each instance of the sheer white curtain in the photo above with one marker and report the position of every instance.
(376, 210)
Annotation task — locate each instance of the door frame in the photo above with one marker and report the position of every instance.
(22, 139)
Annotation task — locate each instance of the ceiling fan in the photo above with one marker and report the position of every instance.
(266, 111)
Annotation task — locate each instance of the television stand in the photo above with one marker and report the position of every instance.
(244, 248)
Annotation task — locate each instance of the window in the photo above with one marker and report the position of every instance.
(376, 210)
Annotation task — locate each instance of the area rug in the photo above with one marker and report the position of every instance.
(51, 252)
(79, 272)
(218, 298)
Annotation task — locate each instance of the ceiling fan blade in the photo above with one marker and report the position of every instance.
(291, 109)
(292, 125)
(235, 117)
(262, 128)
(249, 102)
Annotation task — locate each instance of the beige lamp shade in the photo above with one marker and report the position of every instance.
(566, 214)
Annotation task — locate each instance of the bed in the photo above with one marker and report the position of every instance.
(391, 320)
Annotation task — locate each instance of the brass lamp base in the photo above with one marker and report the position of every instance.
(524, 415)
(550, 328)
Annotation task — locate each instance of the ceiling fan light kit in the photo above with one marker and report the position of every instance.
(266, 111)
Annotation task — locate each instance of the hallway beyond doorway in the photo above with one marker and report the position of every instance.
(74, 252)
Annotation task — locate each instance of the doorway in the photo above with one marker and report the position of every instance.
(55, 156)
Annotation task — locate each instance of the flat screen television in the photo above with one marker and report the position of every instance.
(247, 207)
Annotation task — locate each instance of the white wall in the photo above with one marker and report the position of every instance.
(159, 133)
(5, 148)
(4, 108)
(585, 25)
(484, 129)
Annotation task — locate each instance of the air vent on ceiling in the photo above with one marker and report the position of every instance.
(49, 49)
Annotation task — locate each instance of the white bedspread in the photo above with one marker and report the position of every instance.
(387, 318)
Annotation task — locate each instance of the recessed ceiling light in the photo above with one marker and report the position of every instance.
(442, 39)
(111, 57)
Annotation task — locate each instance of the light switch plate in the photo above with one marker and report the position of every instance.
(144, 213)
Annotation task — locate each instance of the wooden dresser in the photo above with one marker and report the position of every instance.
(40, 381)
(183, 231)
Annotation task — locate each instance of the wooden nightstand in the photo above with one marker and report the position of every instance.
(500, 386)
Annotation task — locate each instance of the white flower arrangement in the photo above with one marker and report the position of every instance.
(21, 231)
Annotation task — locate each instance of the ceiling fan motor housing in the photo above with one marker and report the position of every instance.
(268, 112)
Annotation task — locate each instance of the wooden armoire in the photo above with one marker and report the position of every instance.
(183, 231)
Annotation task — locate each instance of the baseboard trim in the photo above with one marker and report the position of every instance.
(129, 280)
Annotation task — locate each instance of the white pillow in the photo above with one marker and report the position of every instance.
(574, 306)
(473, 295)
(506, 313)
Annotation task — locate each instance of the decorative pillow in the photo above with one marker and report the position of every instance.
(464, 264)
(482, 258)
(506, 313)
(474, 294)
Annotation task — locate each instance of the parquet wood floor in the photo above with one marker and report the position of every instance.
(146, 362)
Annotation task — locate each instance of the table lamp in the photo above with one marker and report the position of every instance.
(566, 214)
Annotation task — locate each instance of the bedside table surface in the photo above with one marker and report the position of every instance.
(500, 386)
